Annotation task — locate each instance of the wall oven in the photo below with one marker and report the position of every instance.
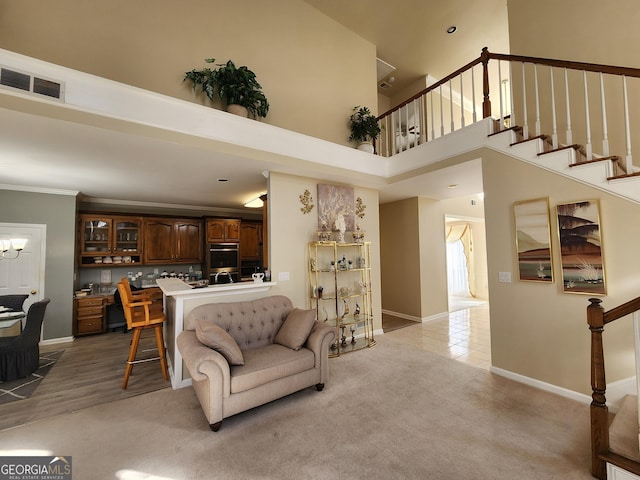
(223, 263)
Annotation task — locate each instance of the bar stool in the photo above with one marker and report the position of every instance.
(139, 317)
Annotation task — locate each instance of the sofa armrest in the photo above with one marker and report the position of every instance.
(204, 362)
(320, 338)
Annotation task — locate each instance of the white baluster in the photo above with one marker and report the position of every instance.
(588, 146)
(525, 121)
(566, 89)
(441, 115)
(535, 78)
(451, 106)
(512, 116)
(461, 104)
(554, 134)
(473, 95)
(500, 88)
(627, 130)
(605, 133)
(433, 131)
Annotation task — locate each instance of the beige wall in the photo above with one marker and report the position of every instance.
(312, 69)
(537, 330)
(290, 231)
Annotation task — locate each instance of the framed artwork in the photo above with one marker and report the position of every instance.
(581, 247)
(533, 240)
(335, 204)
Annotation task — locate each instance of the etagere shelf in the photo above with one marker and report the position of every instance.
(340, 290)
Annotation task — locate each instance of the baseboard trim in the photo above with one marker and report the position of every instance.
(53, 341)
(564, 392)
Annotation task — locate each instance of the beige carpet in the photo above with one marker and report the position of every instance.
(390, 412)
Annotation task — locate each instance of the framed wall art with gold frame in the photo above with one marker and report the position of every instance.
(533, 240)
(579, 230)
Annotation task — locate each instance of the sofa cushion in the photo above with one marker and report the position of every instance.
(266, 364)
(296, 328)
(213, 336)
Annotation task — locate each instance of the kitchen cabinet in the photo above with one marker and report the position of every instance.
(106, 239)
(250, 240)
(172, 240)
(223, 230)
(89, 314)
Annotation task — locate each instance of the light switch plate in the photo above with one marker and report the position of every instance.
(283, 276)
(504, 277)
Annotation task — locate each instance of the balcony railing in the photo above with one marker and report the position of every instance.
(570, 102)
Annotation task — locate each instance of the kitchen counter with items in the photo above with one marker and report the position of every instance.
(180, 298)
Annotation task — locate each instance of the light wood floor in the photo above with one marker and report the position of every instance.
(89, 373)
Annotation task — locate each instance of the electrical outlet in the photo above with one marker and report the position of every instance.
(283, 276)
(504, 277)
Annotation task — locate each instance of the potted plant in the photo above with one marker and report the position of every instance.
(364, 128)
(233, 85)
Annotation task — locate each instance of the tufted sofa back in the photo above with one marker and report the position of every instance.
(252, 324)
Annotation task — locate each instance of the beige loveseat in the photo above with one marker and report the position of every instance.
(253, 352)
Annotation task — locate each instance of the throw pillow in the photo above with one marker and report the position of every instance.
(216, 338)
(296, 328)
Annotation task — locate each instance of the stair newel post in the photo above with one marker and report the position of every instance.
(598, 409)
(486, 103)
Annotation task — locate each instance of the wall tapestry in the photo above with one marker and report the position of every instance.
(581, 247)
(533, 240)
(335, 208)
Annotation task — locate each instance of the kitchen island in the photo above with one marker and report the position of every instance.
(180, 298)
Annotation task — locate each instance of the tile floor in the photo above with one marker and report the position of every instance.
(463, 335)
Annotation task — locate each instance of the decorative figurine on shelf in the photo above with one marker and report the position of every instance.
(313, 265)
(346, 309)
(349, 265)
(356, 312)
(361, 262)
(358, 235)
(320, 290)
(341, 226)
(363, 287)
(332, 267)
(324, 235)
(352, 329)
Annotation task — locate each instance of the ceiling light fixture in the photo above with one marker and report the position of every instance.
(452, 29)
(18, 245)
(453, 185)
(255, 203)
(223, 180)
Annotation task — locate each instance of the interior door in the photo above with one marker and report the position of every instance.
(25, 274)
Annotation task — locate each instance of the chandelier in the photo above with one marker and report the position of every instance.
(18, 245)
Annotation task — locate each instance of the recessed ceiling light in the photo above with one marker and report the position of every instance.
(453, 185)
(223, 180)
(451, 29)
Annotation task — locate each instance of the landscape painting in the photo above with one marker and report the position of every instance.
(581, 248)
(533, 240)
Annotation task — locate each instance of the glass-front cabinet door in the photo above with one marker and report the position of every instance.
(106, 240)
(96, 236)
(127, 236)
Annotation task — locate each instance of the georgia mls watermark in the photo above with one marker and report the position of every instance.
(35, 468)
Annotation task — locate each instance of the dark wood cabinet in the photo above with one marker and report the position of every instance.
(89, 315)
(250, 240)
(171, 240)
(223, 230)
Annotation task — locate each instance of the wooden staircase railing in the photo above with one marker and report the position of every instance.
(597, 318)
(537, 93)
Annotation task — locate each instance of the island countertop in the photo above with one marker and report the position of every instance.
(173, 287)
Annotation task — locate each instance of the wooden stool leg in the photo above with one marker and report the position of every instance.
(162, 351)
(133, 350)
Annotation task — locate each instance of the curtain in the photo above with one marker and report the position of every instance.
(460, 258)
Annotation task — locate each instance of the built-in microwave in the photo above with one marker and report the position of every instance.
(223, 264)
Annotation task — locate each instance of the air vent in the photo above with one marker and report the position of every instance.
(384, 85)
(32, 84)
(15, 79)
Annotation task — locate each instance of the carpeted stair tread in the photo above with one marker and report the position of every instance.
(623, 432)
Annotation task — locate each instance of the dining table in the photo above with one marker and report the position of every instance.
(11, 322)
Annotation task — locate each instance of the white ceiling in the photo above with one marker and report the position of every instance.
(51, 153)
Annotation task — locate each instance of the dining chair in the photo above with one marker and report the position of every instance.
(20, 355)
(140, 317)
